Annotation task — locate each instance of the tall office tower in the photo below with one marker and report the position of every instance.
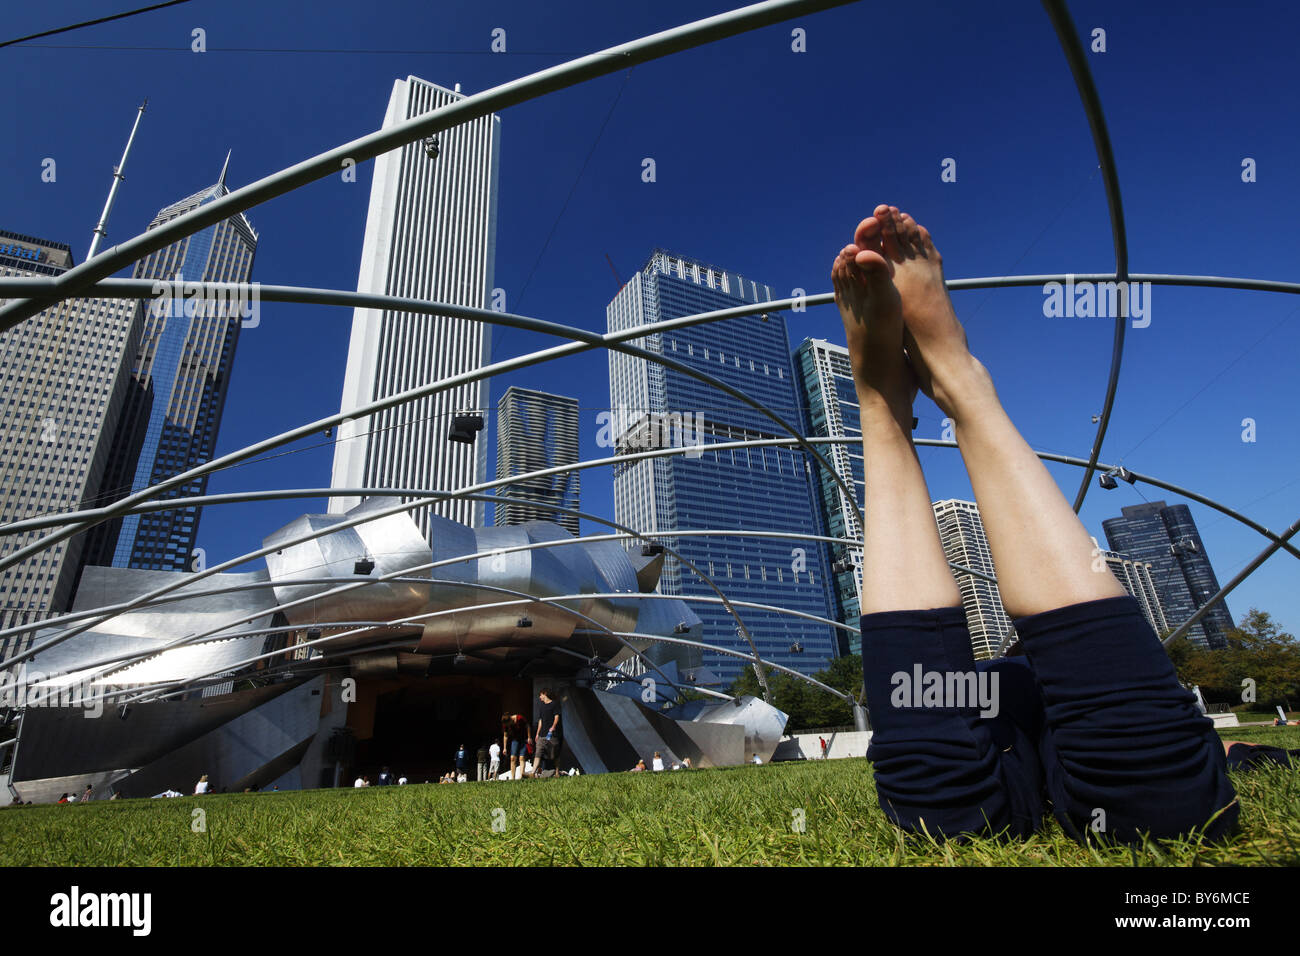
(1165, 536)
(962, 532)
(430, 234)
(179, 381)
(746, 489)
(535, 431)
(1139, 581)
(63, 382)
(831, 411)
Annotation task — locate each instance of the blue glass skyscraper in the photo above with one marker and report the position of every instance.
(1166, 537)
(737, 490)
(180, 378)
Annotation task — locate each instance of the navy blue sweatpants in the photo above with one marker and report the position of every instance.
(1091, 720)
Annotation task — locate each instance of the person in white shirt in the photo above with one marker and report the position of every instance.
(494, 760)
(658, 762)
(202, 785)
(401, 781)
(360, 782)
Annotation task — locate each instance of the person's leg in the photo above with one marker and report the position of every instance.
(941, 769)
(1043, 554)
(903, 562)
(1125, 750)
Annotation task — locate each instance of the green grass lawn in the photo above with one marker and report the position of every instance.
(1247, 715)
(737, 816)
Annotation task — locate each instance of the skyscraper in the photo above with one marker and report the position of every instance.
(753, 489)
(1165, 536)
(63, 382)
(537, 430)
(1137, 578)
(179, 380)
(430, 234)
(962, 532)
(831, 411)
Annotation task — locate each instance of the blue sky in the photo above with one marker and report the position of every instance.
(765, 161)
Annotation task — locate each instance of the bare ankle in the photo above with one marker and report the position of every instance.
(964, 389)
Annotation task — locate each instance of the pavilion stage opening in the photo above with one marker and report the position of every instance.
(414, 725)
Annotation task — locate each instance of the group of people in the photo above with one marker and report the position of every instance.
(657, 764)
(533, 750)
(386, 779)
(87, 794)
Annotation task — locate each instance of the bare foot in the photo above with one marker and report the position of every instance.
(871, 310)
(934, 339)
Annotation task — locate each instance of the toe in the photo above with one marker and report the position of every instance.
(868, 231)
(909, 235)
(870, 261)
(889, 235)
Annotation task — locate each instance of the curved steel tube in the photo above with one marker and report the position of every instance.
(100, 616)
(609, 60)
(133, 288)
(218, 634)
(582, 340)
(1074, 54)
(1224, 591)
(314, 493)
(526, 599)
(141, 288)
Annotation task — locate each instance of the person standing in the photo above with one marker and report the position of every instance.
(494, 760)
(825, 749)
(462, 760)
(482, 762)
(515, 739)
(549, 734)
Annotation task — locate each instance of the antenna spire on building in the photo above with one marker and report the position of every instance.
(226, 166)
(101, 228)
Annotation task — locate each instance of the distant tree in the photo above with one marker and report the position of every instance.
(806, 705)
(1199, 667)
(1257, 650)
(1261, 651)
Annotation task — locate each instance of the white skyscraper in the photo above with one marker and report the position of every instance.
(1138, 580)
(430, 234)
(962, 531)
(830, 401)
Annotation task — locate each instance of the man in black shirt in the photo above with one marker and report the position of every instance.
(549, 732)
